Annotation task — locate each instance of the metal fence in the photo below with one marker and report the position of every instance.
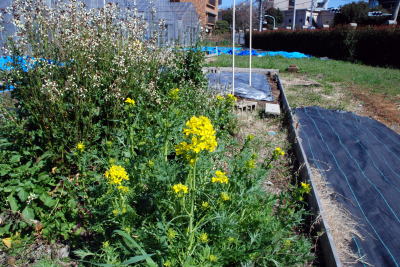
(181, 21)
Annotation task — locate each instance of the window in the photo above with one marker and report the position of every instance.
(290, 20)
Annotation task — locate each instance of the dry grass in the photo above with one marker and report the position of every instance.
(340, 222)
(268, 134)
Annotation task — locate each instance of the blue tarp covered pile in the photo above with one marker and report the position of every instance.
(246, 52)
(360, 159)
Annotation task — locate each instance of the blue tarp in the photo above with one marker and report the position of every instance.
(26, 63)
(246, 52)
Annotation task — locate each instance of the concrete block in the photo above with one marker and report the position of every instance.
(246, 106)
(273, 109)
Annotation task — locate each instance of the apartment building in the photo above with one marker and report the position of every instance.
(207, 10)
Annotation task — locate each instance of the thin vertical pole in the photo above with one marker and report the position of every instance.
(251, 38)
(294, 15)
(233, 46)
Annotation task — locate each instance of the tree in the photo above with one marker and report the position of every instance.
(357, 12)
(221, 26)
(226, 14)
(276, 13)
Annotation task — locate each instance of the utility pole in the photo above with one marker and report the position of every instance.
(294, 15)
(251, 38)
(311, 15)
(260, 15)
(233, 45)
(396, 11)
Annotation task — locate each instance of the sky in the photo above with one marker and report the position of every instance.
(331, 3)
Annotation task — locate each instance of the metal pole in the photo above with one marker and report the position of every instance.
(294, 15)
(260, 15)
(251, 38)
(233, 46)
(396, 12)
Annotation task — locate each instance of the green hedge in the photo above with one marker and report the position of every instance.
(369, 45)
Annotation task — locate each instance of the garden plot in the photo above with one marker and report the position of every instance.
(359, 158)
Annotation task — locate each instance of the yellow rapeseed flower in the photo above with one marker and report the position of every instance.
(171, 234)
(279, 152)
(80, 147)
(225, 196)
(251, 164)
(306, 187)
(203, 237)
(106, 244)
(130, 101)
(220, 97)
(174, 94)
(123, 189)
(231, 98)
(220, 177)
(7, 242)
(205, 205)
(212, 258)
(180, 189)
(116, 174)
(201, 134)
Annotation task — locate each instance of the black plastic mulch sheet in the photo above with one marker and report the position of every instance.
(360, 158)
(260, 88)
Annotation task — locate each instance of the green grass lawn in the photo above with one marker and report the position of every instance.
(372, 79)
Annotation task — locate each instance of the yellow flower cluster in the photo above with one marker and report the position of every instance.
(201, 133)
(279, 152)
(171, 234)
(121, 211)
(251, 164)
(231, 98)
(115, 175)
(220, 97)
(225, 196)
(306, 187)
(212, 258)
(203, 237)
(220, 177)
(80, 147)
(205, 205)
(174, 94)
(180, 189)
(130, 101)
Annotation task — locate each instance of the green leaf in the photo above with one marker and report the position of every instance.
(28, 213)
(137, 259)
(47, 200)
(133, 244)
(4, 169)
(83, 253)
(15, 158)
(13, 203)
(23, 195)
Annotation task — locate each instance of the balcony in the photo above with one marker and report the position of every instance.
(211, 18)
(211, 2)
